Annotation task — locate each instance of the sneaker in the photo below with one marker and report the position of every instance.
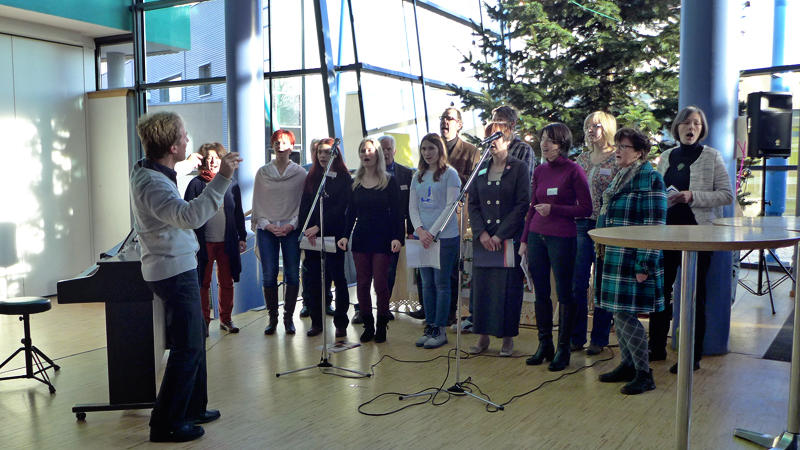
(357, 318)
(594, 349)
(424, 338)
(466, 326)
(437, 339)
(228, 326)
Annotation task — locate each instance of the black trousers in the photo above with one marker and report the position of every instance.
(660, 321)
(183, 394)
(334, 273)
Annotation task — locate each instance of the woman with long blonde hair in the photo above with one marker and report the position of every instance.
(375, 222)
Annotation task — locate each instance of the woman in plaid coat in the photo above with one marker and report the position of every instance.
(631, 281)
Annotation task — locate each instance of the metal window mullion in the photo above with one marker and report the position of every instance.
(421, 71)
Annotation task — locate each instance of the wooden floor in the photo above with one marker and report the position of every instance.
(312, 410)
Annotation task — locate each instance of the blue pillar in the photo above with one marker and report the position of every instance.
(776, 181)
(708, 79)
(244, 70)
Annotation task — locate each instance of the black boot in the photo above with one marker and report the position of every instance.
(289, 302)
(659, 329)
(380, 329)
(271, 299)
(566, 314)
(544, 352)
(642, 382)
(369, 327)
(623, 372)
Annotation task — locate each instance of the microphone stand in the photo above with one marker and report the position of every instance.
(320, 196)
(457, 388)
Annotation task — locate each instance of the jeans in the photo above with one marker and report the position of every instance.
(544, 252)
(268, 246)
(584, 257)
(183, 394)
(436, 283)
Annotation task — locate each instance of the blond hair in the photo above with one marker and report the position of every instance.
(158, 132)
(609, 124)
(380, 167)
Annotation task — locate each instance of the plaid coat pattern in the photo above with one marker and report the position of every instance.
(642, 201)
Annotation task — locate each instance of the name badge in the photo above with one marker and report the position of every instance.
(332, 174)
(604, 171)
(482, 171)
(552, 191)
(403, 187)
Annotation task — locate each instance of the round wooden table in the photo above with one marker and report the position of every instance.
(789, 437)
(690, 239)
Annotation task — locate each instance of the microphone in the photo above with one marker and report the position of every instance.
(497, 135)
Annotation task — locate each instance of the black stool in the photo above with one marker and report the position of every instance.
(25, 306)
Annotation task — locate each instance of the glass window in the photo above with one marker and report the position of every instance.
(298, 106)
(115, 66)
(181, 39)
(756, 28)
(204, 71)
(385, 34)
(171, 94)
(444, 44)
(293, 29)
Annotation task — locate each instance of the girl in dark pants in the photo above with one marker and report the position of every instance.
(559, 193)
(335, 197)
(374, 217)
(698, 187)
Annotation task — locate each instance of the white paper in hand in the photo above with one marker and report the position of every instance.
(419, 256)
(330, 244)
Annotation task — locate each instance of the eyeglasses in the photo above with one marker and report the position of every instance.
(592, 127)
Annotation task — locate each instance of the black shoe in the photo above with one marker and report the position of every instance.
(207, 324)
(209, 416)
(314, 331)
(368, 334)
(390, 315)
(575, 347)
(186, 432)
(380, 329)
(622, 372)
(674, 368)
(289, 326)
(304, 312)
(560, 360)
(418, 314)
(544, 352)
(341, 332)
(357, 318)
(271, 326)
(657, 355)
(228, 326)
(643, 382)
(329, 310)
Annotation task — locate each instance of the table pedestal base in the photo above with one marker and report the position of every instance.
(786, 440)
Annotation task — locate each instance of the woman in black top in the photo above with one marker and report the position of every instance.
(221, 239)
(335, 197)
(375, 203)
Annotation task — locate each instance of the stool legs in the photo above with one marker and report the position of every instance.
(33, 356)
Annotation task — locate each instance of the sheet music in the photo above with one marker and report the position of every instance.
(330, 244)
(419, 256)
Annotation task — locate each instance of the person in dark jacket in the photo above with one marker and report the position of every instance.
(222, 239)
(336, 197)
(630, 281)
(498, 199)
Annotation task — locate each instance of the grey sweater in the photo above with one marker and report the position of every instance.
(708, 182)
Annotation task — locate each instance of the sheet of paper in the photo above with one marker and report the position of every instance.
(419, 256)
(330, 244)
